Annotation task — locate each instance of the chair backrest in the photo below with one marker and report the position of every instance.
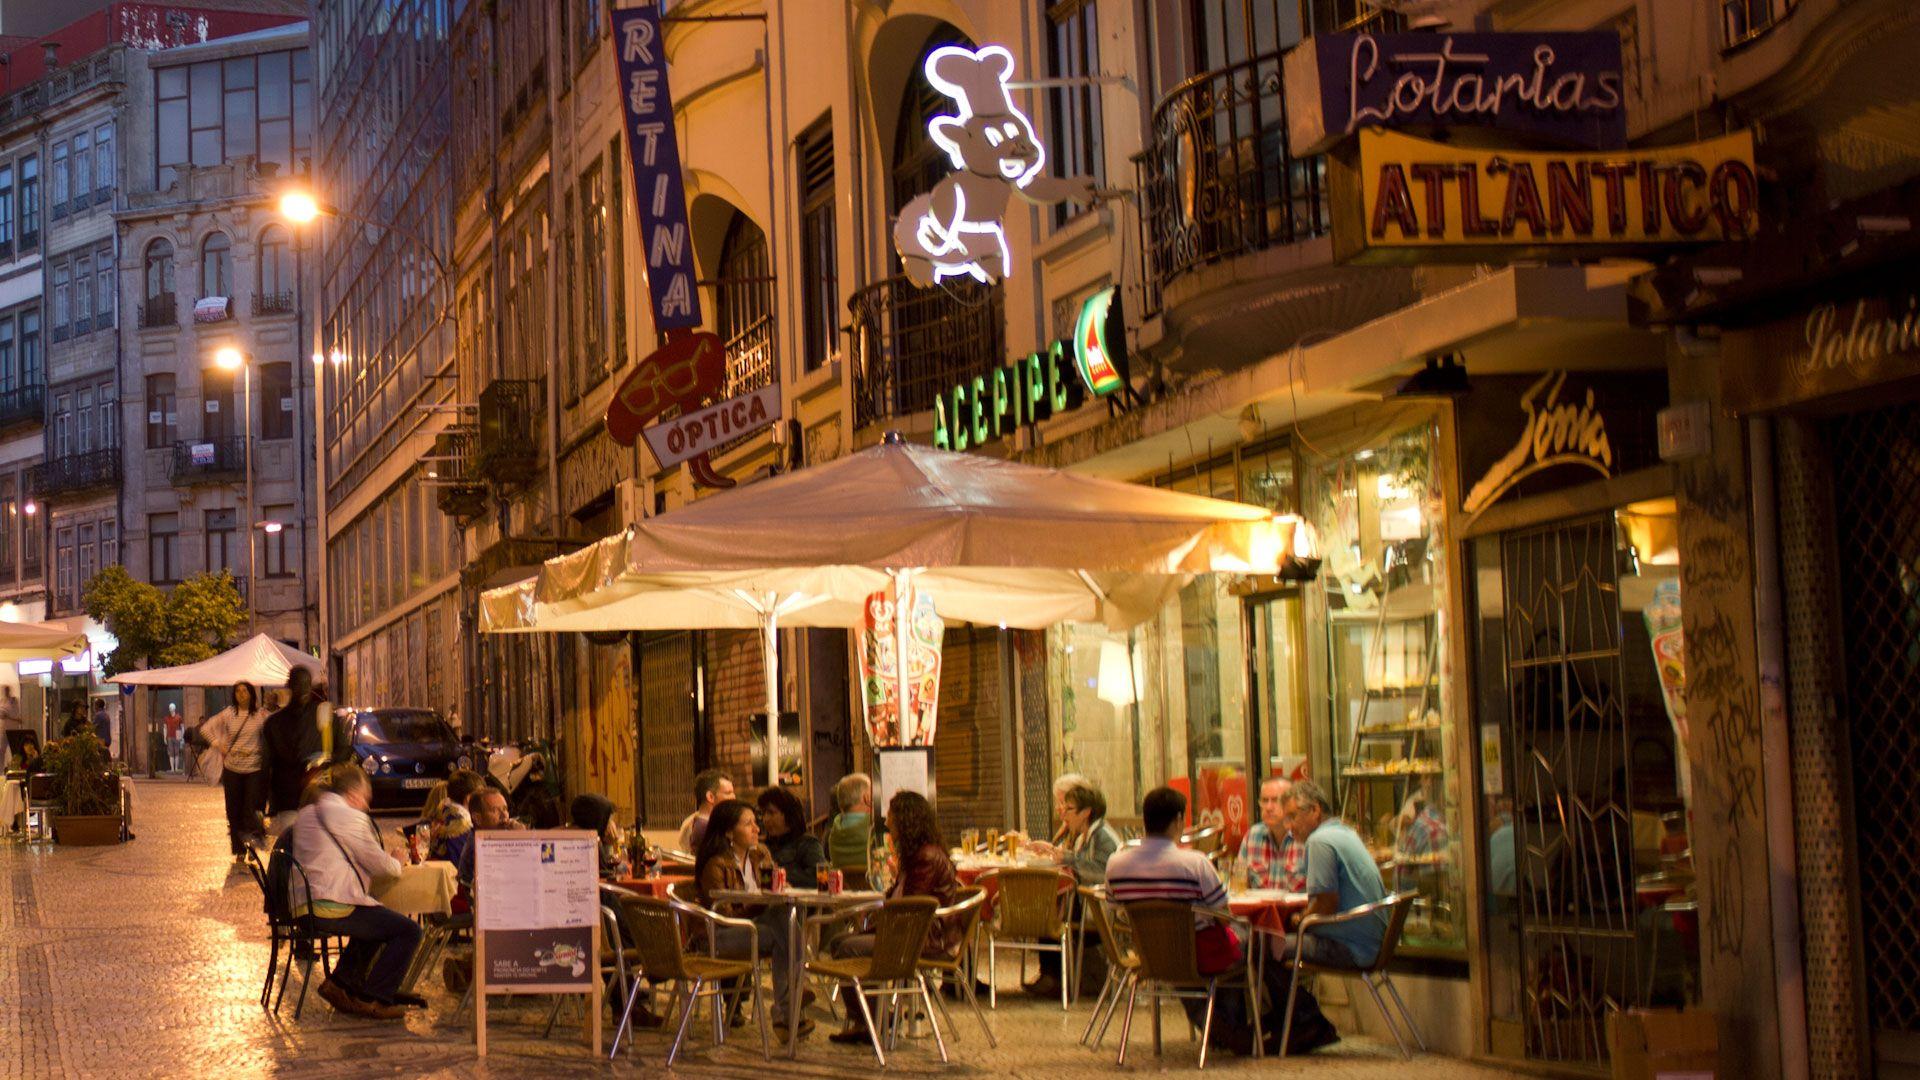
(654, 927)
(279, 875)
(687, 892)
(40, 787)
(1029, 903)
(899, 934)
(968, 905)
(1163, 939)
(1400, 905)
(1206, 841)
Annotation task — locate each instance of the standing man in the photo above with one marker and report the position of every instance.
(710, 788)
(1273, 858)
(293, 748)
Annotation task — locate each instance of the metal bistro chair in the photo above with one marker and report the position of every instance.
(41, 807)
(956, 970)
(1163, 937)
(300, 934)
(1029, 916)
(893, 971)
(1108, 923)
(654, 925)
(615, 956)
(1373, 976)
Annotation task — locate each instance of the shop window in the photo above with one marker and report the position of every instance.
(1381, 598)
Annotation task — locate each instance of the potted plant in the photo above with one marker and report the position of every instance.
(86, 794)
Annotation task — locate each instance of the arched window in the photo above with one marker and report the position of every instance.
(160, 271)
(216, 266)
(919, 162)
(276, 264)
(744, 298)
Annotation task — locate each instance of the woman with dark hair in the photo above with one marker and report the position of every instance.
(731, 859)
(783, 825)
(592, 813)
(235, 733)
(923, 869)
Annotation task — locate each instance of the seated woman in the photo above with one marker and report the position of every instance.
(783, 827)
(594, 813)
(1086, 843)
(731, 859)
(924, 869)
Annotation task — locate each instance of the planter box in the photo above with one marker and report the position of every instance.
(90, 831)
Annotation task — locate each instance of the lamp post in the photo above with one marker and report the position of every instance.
(230, 359)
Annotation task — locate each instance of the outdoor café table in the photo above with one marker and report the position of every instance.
(655, 887)
(1267, 909)
(793, 900)
(421, 890)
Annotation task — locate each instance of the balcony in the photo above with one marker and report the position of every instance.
(909, 343)
(280, 303)
(453, 471)
(1217, 179)
(77, 473)
(750, 361)
(506, 452)
(22, 405)
(162, 310)
(209, 461)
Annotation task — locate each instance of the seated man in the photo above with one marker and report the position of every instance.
(850, 836)
(710, 788)
(1273, 858)
(338, 846)
(1340, 876)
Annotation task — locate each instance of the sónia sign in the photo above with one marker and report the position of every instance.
(700, 432)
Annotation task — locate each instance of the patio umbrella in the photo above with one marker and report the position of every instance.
(995, 542)
(259, 660)
(39, 641)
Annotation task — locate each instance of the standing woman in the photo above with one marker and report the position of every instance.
(235, 732)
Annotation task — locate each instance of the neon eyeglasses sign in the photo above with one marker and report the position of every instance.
(958, 229)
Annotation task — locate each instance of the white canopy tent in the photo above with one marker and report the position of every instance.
(39, 641)
(994, 542)
(259, 660)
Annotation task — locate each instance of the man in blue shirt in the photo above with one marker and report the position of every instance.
(1341, 876)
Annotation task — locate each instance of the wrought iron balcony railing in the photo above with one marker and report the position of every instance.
(76, 473)
(207, 461)
(1217, 178)
(454, 473)
(279, 303)
(507, 451)
(911, 343)
(23, 405)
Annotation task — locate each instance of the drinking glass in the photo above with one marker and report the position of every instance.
(821, 872)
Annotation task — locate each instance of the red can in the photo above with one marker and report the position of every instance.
(836, 881)
(779, 879)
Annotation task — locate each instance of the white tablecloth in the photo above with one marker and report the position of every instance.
(13, 802)
(425, 889)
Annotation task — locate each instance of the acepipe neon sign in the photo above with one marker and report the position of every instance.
(957, 229)
(992, 406)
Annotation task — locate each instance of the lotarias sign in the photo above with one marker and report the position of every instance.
(1559, 87)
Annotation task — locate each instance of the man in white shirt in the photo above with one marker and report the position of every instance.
(338, 847)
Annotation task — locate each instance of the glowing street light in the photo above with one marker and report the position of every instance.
(299, 207)
(228, 358)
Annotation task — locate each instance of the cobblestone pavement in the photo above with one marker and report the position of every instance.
(145, 959)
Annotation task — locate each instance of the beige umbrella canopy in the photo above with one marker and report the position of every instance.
(259, 660)
(993, 542)
(39, 641)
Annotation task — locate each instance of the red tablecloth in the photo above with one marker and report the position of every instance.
(655, 887)
(1267, 908)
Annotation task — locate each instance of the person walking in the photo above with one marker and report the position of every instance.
(292, 748)
(235, 733)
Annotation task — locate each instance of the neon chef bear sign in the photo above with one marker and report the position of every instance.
(957, 228)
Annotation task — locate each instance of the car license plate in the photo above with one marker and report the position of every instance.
(417, 782)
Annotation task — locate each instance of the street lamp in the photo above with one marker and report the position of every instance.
(229, 359)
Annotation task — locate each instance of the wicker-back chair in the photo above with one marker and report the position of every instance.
(1163, 939)
(956, 970)
(893, 971)
(1107, 922)
(1029, 917)
(1373, 976)
(655, 928)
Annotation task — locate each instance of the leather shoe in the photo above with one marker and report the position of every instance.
(343, 1000)
(411, 1001)
(377, 1011)
(853, 1036)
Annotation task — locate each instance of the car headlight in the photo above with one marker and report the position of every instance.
(463, 762)
(385, 768)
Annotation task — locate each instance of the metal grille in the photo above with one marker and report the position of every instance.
(1567, 727)
(1877, 515)
(1821, 764)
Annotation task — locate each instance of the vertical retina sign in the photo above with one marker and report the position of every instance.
(653, 149)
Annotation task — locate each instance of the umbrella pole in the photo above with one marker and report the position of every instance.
(770, 632)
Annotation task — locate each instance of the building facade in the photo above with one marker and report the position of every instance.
(1542, 687)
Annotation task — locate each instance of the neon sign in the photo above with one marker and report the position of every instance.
(1100, 343)
(958, 229)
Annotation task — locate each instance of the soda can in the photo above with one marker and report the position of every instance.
(836, 881)
(779, 879)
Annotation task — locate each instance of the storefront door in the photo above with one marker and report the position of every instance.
(1876, 470)
(1588, 880)
(1283, 737)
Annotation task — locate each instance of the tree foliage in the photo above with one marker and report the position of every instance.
(157, 628)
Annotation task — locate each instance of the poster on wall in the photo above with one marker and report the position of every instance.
(1670, 661)
(880, 635)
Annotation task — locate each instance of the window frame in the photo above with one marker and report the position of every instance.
(163, 542)
(163, 434)
(222, 266)
(819, 245)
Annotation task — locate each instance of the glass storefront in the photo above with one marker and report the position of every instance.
(1381, 602)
